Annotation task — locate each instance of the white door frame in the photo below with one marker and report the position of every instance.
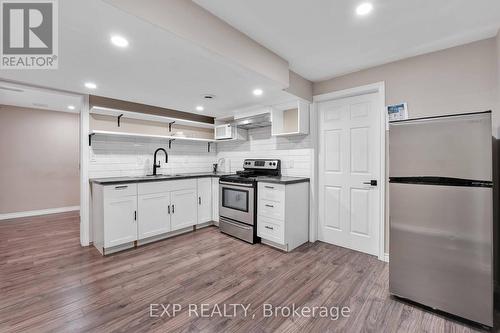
(84, 173)
(378, 88)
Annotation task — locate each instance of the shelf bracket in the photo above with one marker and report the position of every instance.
(170, 126)
(208, 147)
(119, 117)
(90, 138)
(170, 143)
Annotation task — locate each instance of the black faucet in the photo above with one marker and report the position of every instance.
(155, 166)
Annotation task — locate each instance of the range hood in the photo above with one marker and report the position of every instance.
(255, 121)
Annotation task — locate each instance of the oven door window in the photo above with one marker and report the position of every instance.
(235, 199)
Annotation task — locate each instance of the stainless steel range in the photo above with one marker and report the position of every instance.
(238, 198)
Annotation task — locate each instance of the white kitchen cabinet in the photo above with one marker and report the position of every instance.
(204, 200)
(215, 200)
(283, 214)
(114, 215)
(183, 208)
(166, 206)
(290, 119)
(121, 213)
(127, 215)
(154, 214)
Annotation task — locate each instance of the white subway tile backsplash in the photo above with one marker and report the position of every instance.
(115, 157)
(296, 153)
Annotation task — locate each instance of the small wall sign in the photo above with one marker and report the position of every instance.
(397, 112)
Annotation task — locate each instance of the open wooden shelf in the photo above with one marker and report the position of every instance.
(142, 116)
(139, 135)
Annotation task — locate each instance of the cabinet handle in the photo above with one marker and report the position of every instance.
(135, 215)
(173, 209)
(199, 200)
(121, 187)
(270, 206)
(268, 227)
(168, 209)
(271, 187)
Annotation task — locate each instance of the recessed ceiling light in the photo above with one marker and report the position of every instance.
(364, 9)
(119, 41)
(258, 92)
(200, 108)
(71, 107)
(90, 85)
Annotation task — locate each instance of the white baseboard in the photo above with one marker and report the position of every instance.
(384, 257)
(38, 212)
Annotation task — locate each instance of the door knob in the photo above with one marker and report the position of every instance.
(372, 182)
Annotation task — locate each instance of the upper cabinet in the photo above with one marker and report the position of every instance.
(290, 119)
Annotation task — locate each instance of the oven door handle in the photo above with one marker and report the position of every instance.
(236, 184)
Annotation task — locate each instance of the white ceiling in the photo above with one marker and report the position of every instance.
(324, 38)
(17, 95)
(157, 68)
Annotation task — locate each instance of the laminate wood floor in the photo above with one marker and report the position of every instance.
(51, 284)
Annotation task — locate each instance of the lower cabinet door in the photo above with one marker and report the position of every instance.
(215, 199)
(120, 215)
(204, 200)
(184, 208)
(153, 214)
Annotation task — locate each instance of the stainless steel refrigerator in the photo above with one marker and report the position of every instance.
(441, 214)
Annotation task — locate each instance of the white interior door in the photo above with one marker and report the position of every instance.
(349, 159)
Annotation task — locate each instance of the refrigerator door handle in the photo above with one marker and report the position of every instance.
(372, 182)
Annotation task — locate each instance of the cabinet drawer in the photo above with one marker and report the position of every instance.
(272, 209)
(162, 186)
(153, 187)
(272, 192)
(271, 230)
(120, 190)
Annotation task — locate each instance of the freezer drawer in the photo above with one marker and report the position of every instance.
(455, 147)
(441, 248)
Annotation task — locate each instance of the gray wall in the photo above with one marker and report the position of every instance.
(39, 157)
(455, 80)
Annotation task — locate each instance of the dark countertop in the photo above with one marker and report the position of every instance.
(141, 179)
(283, 180)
